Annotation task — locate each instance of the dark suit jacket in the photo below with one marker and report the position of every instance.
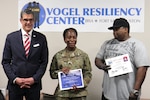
(16, 64)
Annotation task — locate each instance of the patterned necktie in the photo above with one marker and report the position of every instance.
(27, 44)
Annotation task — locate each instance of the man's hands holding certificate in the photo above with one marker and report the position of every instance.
(105, 67)
(102, 65)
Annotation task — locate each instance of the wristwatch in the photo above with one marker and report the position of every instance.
(135, 92)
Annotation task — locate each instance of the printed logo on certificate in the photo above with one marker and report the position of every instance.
(119, 65)
(67, 81)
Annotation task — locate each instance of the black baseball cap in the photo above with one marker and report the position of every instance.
(119, 22)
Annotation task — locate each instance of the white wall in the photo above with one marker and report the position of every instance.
(89, 42)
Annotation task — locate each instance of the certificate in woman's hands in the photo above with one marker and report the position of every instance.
(119, 65)
(73, 78)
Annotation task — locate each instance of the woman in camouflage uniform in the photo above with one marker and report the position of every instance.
(71, 58)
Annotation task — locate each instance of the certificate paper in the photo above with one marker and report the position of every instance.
(74, 77)
(119, 65)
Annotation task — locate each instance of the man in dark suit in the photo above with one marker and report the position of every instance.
(25, 70)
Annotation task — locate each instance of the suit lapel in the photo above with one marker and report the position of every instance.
(20, 42)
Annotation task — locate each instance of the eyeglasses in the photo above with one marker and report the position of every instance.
(26, 20)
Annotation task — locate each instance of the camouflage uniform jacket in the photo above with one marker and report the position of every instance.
(74, 60)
